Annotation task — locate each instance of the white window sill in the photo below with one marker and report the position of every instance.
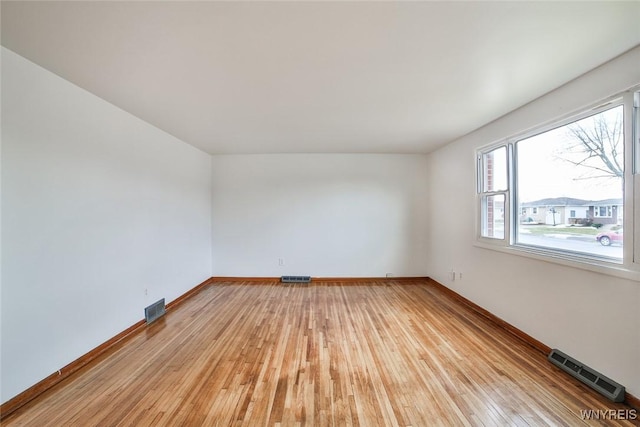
(583, 262)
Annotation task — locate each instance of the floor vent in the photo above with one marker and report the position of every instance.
(605, 386)
(295, 279)
(154, 311)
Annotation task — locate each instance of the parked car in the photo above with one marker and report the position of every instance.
(607, 237)
(529, 221)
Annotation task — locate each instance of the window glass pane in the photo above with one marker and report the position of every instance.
(570, 184)
(493, 216)
(494, 166)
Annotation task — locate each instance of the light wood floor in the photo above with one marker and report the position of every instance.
(367, 354)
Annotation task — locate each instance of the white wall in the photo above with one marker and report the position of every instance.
(593, 317)
(328, 215)
(97, 207)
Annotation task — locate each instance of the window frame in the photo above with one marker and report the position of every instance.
(629, 266)
(480, 164)
(608, 211)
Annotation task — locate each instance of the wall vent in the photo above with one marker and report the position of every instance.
(605, 386)
(154, 311)
(295, 279)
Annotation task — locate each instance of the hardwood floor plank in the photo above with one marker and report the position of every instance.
(251, 353)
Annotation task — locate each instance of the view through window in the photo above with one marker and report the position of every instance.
(569, 186)
(493, 191)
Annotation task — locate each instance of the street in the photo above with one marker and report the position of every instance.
(586, 244)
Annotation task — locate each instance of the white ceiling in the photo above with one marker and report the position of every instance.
(316, 77)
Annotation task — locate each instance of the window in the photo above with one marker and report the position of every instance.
(602, 211)
(557, 190)
(580, 163)
(492, 166)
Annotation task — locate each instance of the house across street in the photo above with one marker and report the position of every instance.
(570, 211)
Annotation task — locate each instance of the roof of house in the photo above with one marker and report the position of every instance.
(557, 201)
(569, 201)
(606, 202)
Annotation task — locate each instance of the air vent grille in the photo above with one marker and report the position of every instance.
(569, 364)
(557, 357)
(154, 311)
(605, 386)
(295, 279)
(589, 376)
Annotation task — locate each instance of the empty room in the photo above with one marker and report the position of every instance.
(385, 213)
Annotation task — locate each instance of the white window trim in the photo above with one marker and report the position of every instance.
(596, 212)
(629, 267)
(482, 193)
(573, 260)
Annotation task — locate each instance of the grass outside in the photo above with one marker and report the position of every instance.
(559, 229)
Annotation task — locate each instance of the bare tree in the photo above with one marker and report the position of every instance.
(596, 143)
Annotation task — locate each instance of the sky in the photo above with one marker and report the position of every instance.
(556, 178)
(543, 171)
